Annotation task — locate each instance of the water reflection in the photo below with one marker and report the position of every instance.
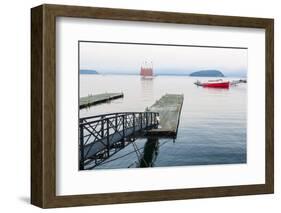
(146, 88)
(150, 152)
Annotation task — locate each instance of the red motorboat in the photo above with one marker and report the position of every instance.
(214, 84)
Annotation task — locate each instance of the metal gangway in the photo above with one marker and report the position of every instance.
(102, 136)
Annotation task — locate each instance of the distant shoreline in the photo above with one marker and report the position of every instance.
(88, 72)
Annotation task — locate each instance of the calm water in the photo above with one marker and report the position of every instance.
(212, 128)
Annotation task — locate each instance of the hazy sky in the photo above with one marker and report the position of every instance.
(128, 58)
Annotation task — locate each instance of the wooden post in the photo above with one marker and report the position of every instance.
(123, 116)
(140, 120)
(157, 118)
(107, 137)
(102, 127)
(146, 116)
(81, 162)
(116, 123)
(134, 125)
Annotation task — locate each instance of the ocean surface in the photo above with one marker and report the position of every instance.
(212, 128)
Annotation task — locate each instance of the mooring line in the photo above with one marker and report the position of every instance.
(138, 149)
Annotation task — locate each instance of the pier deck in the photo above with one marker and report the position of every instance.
(169, 109)
(98, 98)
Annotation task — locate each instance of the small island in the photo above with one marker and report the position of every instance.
(89, 72)
(207, 73)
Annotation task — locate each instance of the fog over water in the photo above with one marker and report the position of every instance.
(117, 58)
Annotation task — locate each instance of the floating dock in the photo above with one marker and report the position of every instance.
(169, 108)
(98, 98)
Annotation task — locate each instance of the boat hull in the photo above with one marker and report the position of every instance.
(216, 85)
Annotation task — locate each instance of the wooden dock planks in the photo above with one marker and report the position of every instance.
(169, 109)
(98, 98)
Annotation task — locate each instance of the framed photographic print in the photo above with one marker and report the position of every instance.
(137, 106)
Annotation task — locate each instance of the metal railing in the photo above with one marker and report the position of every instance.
(103, 135)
